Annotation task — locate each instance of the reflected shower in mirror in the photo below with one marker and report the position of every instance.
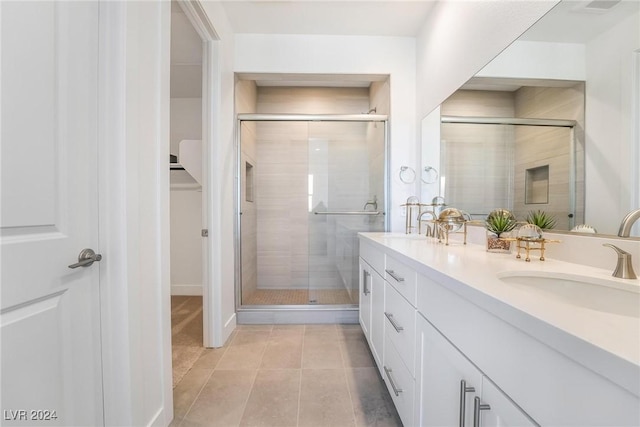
(576, 63)
(514, 149)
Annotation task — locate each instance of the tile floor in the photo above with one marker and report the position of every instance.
(286, 375)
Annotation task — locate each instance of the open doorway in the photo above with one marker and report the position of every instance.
(188, 276)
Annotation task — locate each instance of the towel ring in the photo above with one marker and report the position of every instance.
(430, 171)
(407, 175)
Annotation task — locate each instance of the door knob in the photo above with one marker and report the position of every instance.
(86, 258)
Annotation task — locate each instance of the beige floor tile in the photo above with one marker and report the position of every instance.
(321, 355)
(243, 356)
(223, 399)
(250, 337)
(274, 399)
(356, 353)
(324, 399)
(209, 358)
(372, 403)
(284, 350)
(188, 389)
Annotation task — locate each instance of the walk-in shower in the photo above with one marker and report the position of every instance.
(306, 185)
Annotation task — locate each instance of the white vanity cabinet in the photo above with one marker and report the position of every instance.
(372, 297)
(451, 391)
(451, 354)
(365, 286)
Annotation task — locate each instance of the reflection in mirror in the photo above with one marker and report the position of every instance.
(580, 62)
(497, 152)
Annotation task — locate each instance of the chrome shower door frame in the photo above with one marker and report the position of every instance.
(324, 312)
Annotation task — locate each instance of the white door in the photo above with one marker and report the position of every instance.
(50, 314)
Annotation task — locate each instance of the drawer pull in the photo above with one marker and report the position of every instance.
(477, 407)
(463, 400)
(396, 390)
(395, 276)
(397, 327)
(365, 289)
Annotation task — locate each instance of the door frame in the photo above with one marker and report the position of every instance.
(211, 310)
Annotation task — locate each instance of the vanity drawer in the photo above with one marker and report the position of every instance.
(402, 277)
(400, 325)
(399, 381)
(373, 256)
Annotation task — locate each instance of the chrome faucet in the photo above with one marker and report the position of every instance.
(624, 268)
(627, 223)
(430, 231)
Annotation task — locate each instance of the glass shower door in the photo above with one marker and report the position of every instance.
(346, 195)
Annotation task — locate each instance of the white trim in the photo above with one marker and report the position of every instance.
(213, 331)
(112, 221)
(186, 290)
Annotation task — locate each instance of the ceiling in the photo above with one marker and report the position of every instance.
(362, 18)
(578, 21)
(572, 21)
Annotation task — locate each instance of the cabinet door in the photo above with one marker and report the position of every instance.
(499, 410)
(365, 298)
(446, 382)
(377, 318)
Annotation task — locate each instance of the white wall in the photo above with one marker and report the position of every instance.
(186, 121)
(611, 173)
(395, 56)
(186, 203)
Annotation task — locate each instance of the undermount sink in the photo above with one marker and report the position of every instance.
(594, 293)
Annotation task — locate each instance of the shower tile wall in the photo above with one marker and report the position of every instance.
(287, 243)
(246, 97)
(484, 182)
(549, 146)
(475, 146)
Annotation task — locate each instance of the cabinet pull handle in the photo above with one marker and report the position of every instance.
(365, 289)
(397, 327)
(463, 400)
(395, 276)
(477, 407)
(396, 390)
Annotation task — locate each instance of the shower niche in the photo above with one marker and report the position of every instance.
(307, 173)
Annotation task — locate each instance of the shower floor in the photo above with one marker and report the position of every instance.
(297, 297)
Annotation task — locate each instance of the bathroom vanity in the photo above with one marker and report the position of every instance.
(463, 337)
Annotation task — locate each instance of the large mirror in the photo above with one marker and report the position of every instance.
(576, 73)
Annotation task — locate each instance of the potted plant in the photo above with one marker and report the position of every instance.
(541, 219)
(498, 223)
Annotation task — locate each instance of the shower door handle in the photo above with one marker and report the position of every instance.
(348, 213)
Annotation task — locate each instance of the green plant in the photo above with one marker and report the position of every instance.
(500, 221)
(541, 219)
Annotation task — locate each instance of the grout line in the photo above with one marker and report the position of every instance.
(344, 373)
(196, 397)
(304, 333)
(257, 370)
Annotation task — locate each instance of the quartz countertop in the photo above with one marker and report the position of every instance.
(604, 342)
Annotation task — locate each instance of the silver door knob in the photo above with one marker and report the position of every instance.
(86, 258)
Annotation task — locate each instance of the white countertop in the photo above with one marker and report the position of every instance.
(604, 342)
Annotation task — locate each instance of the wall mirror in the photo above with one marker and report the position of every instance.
(576, 74)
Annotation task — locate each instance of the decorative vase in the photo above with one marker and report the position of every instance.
(498, 245)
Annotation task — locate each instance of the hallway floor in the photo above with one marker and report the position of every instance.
(285, 375)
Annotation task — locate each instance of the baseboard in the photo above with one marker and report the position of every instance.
(186, 290)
